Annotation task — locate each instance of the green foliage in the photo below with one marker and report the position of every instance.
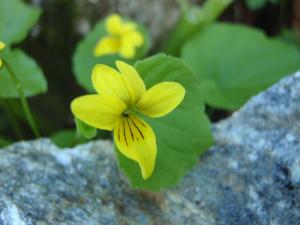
(27, 71)
(193, 18)
(257, 4)
(291, 37)
(67, 138)
(235, 62)
(4, 142)
(231, 63)
(181, 135)
(84, 59)
(16, 20)
(85, 130)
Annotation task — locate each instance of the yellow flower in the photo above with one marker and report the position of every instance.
(120, 94)
(2, 46)
(123, 38)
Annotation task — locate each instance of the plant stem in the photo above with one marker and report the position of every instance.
(192, 20)
(23, 99)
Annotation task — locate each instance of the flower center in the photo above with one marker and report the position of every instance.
(127, 111)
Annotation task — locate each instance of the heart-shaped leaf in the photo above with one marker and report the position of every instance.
(181, 135)
(67, 138)
(234, 62)
(16, 20)
(85, 130)
(27, 71)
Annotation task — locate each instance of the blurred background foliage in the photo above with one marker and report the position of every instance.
(63, 23)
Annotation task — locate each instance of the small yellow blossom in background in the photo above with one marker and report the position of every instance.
(119, 95)
(123, 38)
(2, 46)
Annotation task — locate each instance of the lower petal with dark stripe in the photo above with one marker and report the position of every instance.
(136, 140)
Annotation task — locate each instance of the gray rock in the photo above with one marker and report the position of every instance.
(250, 177)
(158, 16)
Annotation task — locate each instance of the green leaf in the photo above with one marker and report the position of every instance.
(16, 20)
(27, 71)
(235, 62)
(193, 18)
(290, 36)
(181, 136)
(257, 4)
(67, 138)
(85, 130)
(4, 142)
(84, 59)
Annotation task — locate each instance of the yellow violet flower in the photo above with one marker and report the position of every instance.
(123, 38)
(119, 95)
(2, 46)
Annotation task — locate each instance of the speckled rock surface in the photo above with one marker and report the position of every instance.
(250, 177)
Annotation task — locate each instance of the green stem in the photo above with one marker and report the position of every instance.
(192, 20)
(23, 99)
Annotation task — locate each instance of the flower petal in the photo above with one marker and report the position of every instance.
(134, 83)
(107, 46)
(114, 24)
(128, 27)
(135, 37)
(129, 43)
(127, 49)
(98, 111)
(161, 99)
(2, 45)
(108, 81)
(136, 140)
